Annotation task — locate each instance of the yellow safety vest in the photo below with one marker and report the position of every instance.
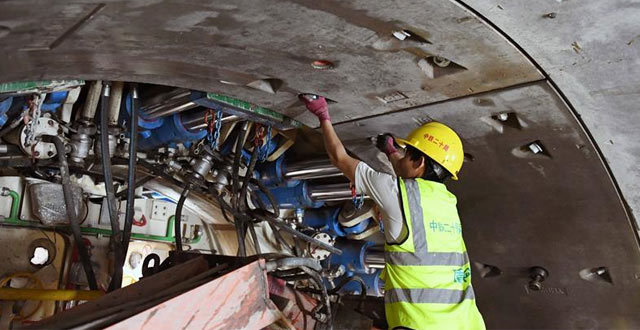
(427, 277)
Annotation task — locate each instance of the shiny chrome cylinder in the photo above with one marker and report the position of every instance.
(374, 257)
(311, 169)
(176, 101)
(331, 192)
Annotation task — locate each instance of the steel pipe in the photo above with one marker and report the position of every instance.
(311, 169)
(374, 258)
(331, 192)
(194, 120)
(176, 101)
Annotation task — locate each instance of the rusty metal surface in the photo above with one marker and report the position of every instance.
(237, 300)
(198, 45)
(520, 210)
(296, 306)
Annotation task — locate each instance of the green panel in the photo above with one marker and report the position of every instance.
(25, 87)
(258, 110)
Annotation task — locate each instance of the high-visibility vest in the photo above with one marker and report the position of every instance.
(427, 277)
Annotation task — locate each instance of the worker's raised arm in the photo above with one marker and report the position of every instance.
(336, 151)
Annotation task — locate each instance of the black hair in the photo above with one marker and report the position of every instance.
(432, 170)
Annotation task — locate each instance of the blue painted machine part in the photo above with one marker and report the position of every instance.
(53, 101)
(5, 105)
(147, 124)
(172, 131)
(227, 147)
(272, 173)
(326, 219)
(321, 218)
(296, 197)
(373, 283)
(357, 229)
(352, 256)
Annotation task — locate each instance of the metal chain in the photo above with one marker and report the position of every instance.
(214, 123)
(35, 107)
(259, 135)
(216, 132)
(358, 200)
(264, 151)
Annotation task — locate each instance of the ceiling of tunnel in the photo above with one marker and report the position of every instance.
(200, 45)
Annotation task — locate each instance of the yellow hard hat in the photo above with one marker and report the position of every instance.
(439, 142)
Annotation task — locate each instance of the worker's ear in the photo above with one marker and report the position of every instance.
(419, 163)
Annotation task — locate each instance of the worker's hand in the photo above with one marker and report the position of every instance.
(317, 105)
(386, 144)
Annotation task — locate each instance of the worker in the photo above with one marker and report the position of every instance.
(426, 276)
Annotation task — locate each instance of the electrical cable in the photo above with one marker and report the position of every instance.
(116, 240)
(177, 223)
(131, 180)
(72, 210)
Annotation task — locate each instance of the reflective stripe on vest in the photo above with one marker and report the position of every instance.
(428, 296)
(422, 256)
(428, 286)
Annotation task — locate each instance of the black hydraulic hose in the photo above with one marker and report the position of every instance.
(346, 281)
(248, 175)
(116, 240)
(325, 296)
(131, 180)
(240, 234)
(293, 262)
(177, 224)
(72, 211)
(239, 223)
(242, 203)
(236, 164)
(270, 197)
(275, 230)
